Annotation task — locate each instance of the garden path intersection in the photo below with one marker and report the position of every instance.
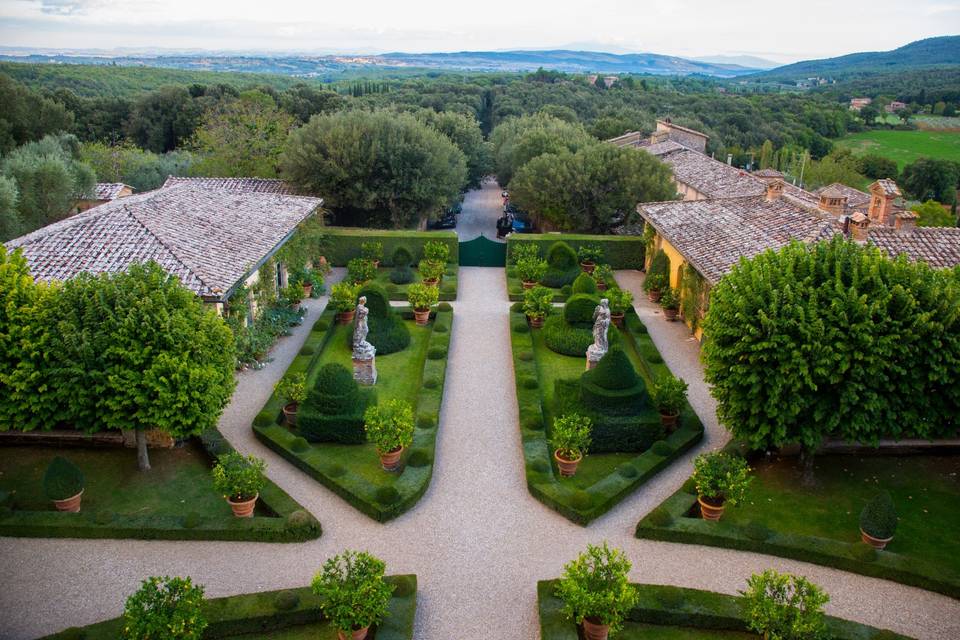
(477, 540)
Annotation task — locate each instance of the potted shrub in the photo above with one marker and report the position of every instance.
(570, 438)
(360, 270)
(537, 304)
(353, 594)
(309, 279)
(421, 298)
(878, 521)
(239, 479)
(343, 297)
(431, 272)
(164, 608)
(436, 251)
(653, 285)
(372, 250)
(670, 301)
(780, 605)
(601, 274)
(523, 251)
(669, 394)
(292, 389)
(390, 429)
(291, 295)
(620, 300)
(596, 592)
(721, 479)
(531, 270)
(589, 255)
(63, 483)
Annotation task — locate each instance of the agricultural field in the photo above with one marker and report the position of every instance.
(904, 147)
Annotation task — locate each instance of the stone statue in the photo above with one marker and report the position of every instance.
(601, 323)
(364, 353)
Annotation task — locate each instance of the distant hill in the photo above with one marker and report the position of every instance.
(744, 61)
(932, 52)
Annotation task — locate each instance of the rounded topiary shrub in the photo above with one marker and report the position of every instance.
(191, 520)
(662, 448)
(562, 338)
(562, 265)
(528, 382)
(581, 500)
(401, 257)
(757, 531)
(660, 517)
(402, 275)
(445, 307)
(426, 421)
(299, 519)
(387, 495)
(584, 284)
(441, 328)
(566, 290)
(431, 383)
(388, 333)
(579, 310)
(420, 458)
(628, 471)
(437, 353)
(879, 517)
(307, 350)
(286, 600)
(333, 410)
(299, 445)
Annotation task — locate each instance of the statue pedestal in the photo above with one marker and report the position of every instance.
(593, 356)
(365, 371)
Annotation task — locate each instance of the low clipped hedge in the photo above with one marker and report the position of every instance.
(397, 287)
(669, 606)
(290, 522)
(620, 252)
(344, 244)
(269, 611)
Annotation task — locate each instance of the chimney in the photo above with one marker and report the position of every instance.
(859, 227)
(730, 159)
(905, 221)
(774, 190)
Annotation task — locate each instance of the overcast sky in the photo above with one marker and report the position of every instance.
(782, 31)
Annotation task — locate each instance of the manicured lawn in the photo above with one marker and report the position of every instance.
(925, 490)
(640, 631)
(904, 147)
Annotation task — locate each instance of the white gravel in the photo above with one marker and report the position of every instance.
(477, 540)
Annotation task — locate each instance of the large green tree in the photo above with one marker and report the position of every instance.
(160, 120)
(518, 140)
(142, 170)
(932, 179)
(463, 131)
(380, 167)
(932, 214)
(834, 340)
(591, 189)
(26, 116)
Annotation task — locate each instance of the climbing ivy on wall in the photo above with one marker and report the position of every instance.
(694, 288)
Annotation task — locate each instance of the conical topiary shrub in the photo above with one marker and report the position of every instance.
(584, 284)
(579, 308)
(613, 387)
(333, 410)
(879, 519)
(563, 266)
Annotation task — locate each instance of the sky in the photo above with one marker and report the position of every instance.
(779, 31)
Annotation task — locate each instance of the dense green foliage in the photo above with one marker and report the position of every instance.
(164, 609)
(562, 265)
(333, 410)
(388, 333)
(238, 477)
(62, 479)
(390, 426)
(142, 170)
(613, 388)
(720, 477)
(932, 214)
(584, 284)
(879, 517)
(620, 252)
(26, 116)
(518, 141)
(595, 586)
(784, 607)
(570, 435)
(353, 593)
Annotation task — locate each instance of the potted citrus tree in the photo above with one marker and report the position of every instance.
(390, 429)
(430, 272)
(620, 300)
(537, 304)
(531, 269)
(239, 479)
(421, 298)
(653, 285)
(596, 592)
(570, 438)
(669, 394)
(781, 605)
(589, 255)
(343, 297)
(878, 521)
(372, 250)
(63, 482)
(165, 608)
(309, 279)
(721, 479)
(670, 301)
(353, 594)
(292, 389)
(436, 251)
(360, 271)
(601, 275)
(291, 295)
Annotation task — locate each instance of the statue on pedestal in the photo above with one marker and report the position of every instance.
(364, 353)
(601, 323)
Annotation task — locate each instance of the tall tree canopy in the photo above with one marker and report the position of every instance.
(142, 170)
(519, 140)
(932, 179)
(161, 120)
(378, 167)
(26, 116)
(463, 131)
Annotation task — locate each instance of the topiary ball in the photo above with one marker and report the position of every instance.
(431, 383)
(614, 371)
(307, 350)
(584, 284)
(401, 275)
(264, 419)
(437, 353)
(662, 448)
(299, 519)
(387, 495)
(299, 445)
(566, 290)
(578, 311)
(402, 257)
(378, 302)
(441, 328)
(444, 306)
(879, 517)
(419, 458)
(191, 520)
(320, 325)
(529, 382)
(526, 356)
(659, 517)
(560, 255)
(286, 600)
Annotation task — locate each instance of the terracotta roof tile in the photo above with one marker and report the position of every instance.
(712, 178)
(244, 185)
(109, 190)
(939, 247)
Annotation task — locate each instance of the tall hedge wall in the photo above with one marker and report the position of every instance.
(344, 243)
(620, 252)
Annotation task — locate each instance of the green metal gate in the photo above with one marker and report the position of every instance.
(483, 252)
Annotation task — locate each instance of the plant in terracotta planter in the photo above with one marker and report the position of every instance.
(360, 270)
(878, 521)
(658, 275)
(292, 388)
(653, 285)
(421, 298)
(390, 429)
(721, 479)
(602, 274)
(353, 594)
(620, 300)
(670, 302)
(596, 592)
(311, 280)
(589, 255)
(165, 609)
(436, 251)
(780, 606)
(430, 271)
(523, 251)
(570, 438)
(669, 394)
(239, 479)
(343, 297)
(63, 483)
(537, 304)
(531, 270)
(372, 250)
(291, 295)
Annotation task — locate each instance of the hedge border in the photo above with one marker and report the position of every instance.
(450, 276)
(681, 607)
(620, 252)
(278, 528)
(345, 243)
(515, 288)
(427, 406)
(607, 492)
(249, 613)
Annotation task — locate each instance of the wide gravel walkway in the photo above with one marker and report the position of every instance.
(477, 540)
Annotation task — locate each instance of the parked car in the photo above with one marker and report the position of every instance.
(446, 221)
(456, 208)
(521, 220)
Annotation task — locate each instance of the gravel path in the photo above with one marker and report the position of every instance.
(481, 208)
(477, 540)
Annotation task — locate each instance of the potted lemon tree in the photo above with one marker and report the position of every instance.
(537, 304)
(63, 483)
(595, 591)
(421, 298)
(343, 297)
(670, 302)
(292, 389)
(390, 429)
(620, 300)
(602, 274)
(721, 479)
(353, 594)
(431, 272)
(239, 479)
(570, 438)
(531, 269)
(589, 255)
(669, 394)
(372, 250)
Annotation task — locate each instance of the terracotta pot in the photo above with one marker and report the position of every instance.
(290, 413)
(588, 267)
(595, 630)
(71, 504)
(244, 509)
(307, 290)
(617, 319)
(535, 323)
(567, 467)
(671, 314)
(390, 460)
(601, 286)
(709, 511)
(669, 420)
(654, 295)
(356, 634)
(422, 317)
(876, 543)
(432, 282)
(346, 317)
(529, 284)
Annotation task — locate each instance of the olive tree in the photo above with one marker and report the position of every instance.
(517, 141)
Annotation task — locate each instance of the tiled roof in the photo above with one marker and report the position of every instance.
(660, 148)
(244, 185)
(768, 173)
(109, 190)
(855, 198)
(210, 239)
(889, 187)
(712, 178)
(714, 234)
(939, 247)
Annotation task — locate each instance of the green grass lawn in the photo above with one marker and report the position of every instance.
(179, 480)
(639, 631)
(904, 147)
(925, 490)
